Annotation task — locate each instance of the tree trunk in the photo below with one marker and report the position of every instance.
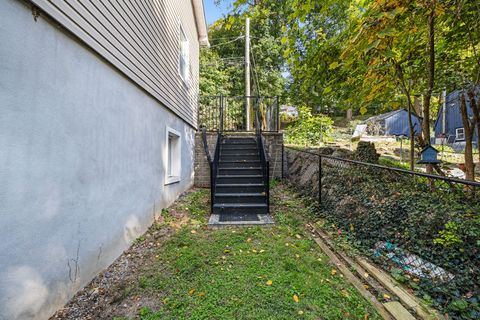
(412, 137)
(349, 114)
(405, 90)
(469, 164)
(431, 79)
(475, 105)
(417, 105)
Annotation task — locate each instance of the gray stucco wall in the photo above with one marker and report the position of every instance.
(82, 162)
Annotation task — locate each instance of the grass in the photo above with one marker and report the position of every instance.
(247, 273)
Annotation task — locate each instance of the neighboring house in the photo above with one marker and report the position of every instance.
(449, 123)
(98, 114)
(393, 123)
(289, 110)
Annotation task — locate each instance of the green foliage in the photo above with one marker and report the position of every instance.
(449, 236)
(309, 129)
(248, 273)
(392, 216)
(221, 66)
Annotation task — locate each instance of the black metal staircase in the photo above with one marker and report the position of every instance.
(239, 170)
(241, 186)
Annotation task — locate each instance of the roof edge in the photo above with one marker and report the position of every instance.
(201, 22)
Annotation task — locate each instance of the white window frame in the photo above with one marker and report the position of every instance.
(184, 56)
(460, 134)
(173, 159)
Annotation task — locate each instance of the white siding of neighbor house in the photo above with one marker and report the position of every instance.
(85, 107)
(140, 38)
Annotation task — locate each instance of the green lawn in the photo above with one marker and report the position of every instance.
(247, 273)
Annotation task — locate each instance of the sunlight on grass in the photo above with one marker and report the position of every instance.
(248, 273)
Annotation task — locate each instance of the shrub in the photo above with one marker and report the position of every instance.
(309, 129)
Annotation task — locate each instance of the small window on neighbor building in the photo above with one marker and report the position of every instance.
(184, 56)
(460, 133)
(173, 160)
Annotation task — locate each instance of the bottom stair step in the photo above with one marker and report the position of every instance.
(240, 208)
(241, 217)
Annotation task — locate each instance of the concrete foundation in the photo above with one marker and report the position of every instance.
(83, 154)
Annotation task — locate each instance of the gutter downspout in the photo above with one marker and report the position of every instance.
(200, 21)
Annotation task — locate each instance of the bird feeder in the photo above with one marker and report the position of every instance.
(429, 156)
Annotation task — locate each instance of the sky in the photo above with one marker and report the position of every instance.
(213, 12)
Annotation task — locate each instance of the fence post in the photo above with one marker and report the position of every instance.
(221, 113)
(319, 179)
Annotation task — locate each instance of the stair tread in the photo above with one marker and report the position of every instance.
(240, 205)
(241, 168)
(240, 185)
(262, 194)
(243, 176)
(242, 161)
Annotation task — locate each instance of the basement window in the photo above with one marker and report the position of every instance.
(460, 133)
(173, 160)
(184, 66)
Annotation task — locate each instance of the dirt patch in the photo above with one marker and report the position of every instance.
(109, 294)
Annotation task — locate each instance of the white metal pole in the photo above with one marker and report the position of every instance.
(247, 70)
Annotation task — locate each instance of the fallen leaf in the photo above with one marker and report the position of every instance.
(193, 231)
(192, 291)
(297, 256)
(254, 251)
(386, 296)
(249, 240)
(365, 317)
(295, 298)
(333, 272)
(298, 236)
(300, 312)
(269, 282)
(262, 251)
(226, 251)
(345, 293)
(366, 275)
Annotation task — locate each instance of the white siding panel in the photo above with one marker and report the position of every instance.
(141, 39)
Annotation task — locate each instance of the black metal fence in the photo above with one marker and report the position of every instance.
(423, 229)
(229, 113)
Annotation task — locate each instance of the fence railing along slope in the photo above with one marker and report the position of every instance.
(424, 229)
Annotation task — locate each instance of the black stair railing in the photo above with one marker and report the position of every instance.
(263, 155)
(213, 163)
(228, 113)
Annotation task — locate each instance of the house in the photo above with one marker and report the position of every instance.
(97, 127)
(449, 123)
(289, 110)
(394, 123)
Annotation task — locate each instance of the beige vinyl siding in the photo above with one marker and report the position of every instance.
(142, 39)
